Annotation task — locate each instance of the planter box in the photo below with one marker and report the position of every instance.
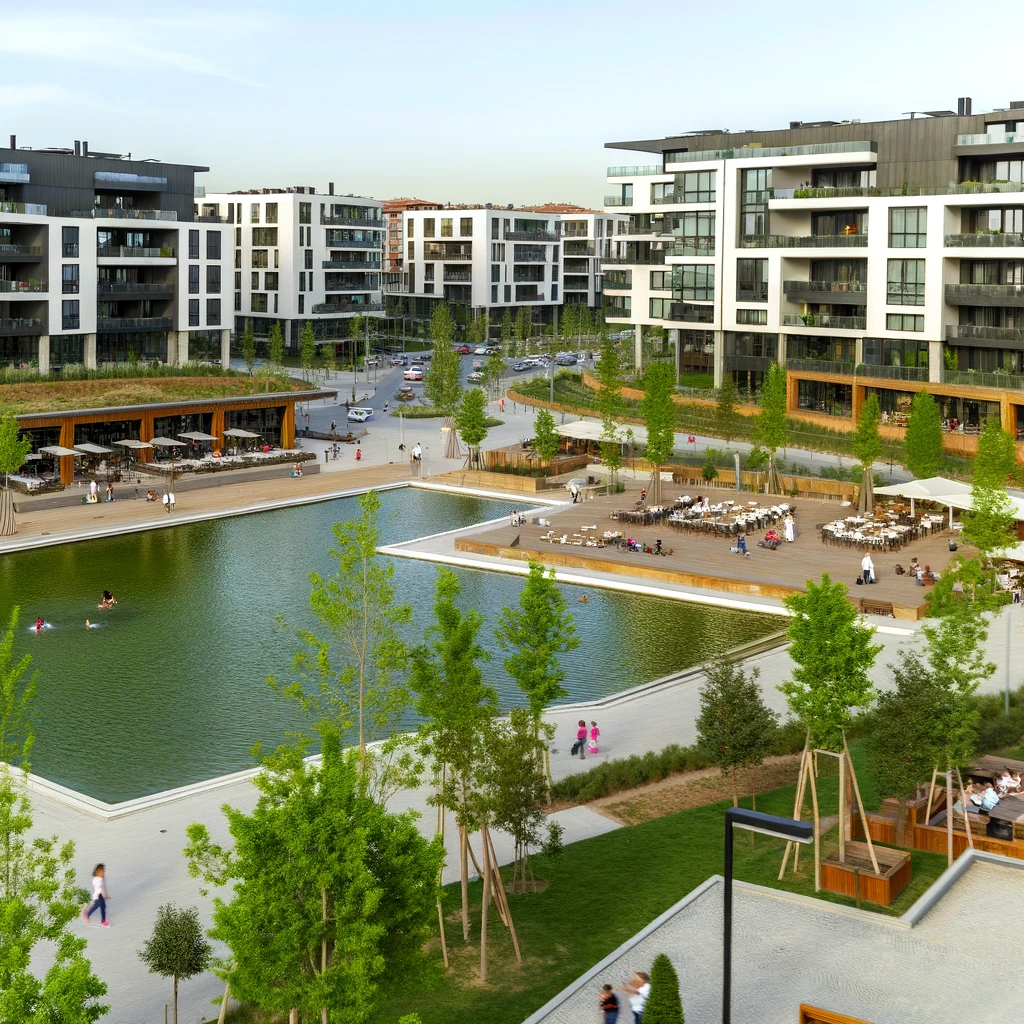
(858, 873)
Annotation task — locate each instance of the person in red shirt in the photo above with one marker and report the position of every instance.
(581, 740)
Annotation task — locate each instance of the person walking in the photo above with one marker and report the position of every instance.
(789, 529)
(99, 896)
(638, 988)
(581, 740)
(594, 734)
(741, 544)
(110, 492)
(867, 568)
(167, 503)
(609, 1004)
(170, 501)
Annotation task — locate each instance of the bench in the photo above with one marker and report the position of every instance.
(869, 607)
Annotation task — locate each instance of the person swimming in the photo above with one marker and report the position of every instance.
(582, 600)
(108, 599)
(40, 625)
(87, 626)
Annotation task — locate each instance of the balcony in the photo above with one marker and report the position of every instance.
(29, 209)
(525, 293)
(530, 256)
(117, 213)
(992, 139)
(348, 307)
(351, 222)
(531, 236)
(614, 286)
(893, 372)
(135, 252)
(985, 294)
(839, 323)
(634, 170)
(690, 313)
(972, 378)
(458, 276)
(747, 152)
(656, 258)
(966, 188)
(853, 293)
(618, 200)
(12, 252)
(134, 288)
(352, 265)
(971, 333)
(803, 242)
(984, 240)
(14, 173)
(575, 232)
(649, 229)
(210, 218)
(71, 323)
(349, 243)
(22, 287)
(692, 245)
(448, 256)
(134, 323)
(129, 180)
(821, 366)
(20, 325)
(748, 362)
(576, 249)
(347, 286)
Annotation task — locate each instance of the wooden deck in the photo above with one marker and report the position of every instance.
(707, 563)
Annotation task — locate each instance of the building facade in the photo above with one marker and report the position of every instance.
(755, 247)
(300, 256)
(394, 245)
(104, 258)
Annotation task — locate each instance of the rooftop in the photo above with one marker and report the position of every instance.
(405, 203)
(558, 208)
(81, 150)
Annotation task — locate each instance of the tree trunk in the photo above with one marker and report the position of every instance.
(222, 1016)
(293, 1015)
(7, 525)
(735, 795)
(175, 999)
(464, 865)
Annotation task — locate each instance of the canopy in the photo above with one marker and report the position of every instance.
(130, 442)
(57, 449)
(593, 430)
(93, 449)
(167, 442)
(238, 432)
(198, 435)
(33, 457)
(933, 488)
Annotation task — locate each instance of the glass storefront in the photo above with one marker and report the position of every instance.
(265, 421)
(66, 350)
(148, 346)
(21, 352)
(821, 396)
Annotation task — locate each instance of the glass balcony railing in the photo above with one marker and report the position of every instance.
(20, 325)
(803, 241)
(616, 286)
(843, 323)
(992, 139)
(350, 264)
(692, 245)
(531, 236)
(634, 170)
(14, 173)
(134, 323)
(682, 198)
(985, 240)
(30, 209)
(965, 188)
(353, 222)
(755, 152)
(893, 372)
(618, 200)
(654, 258)
(16, 249)
(17, 287)
(135, 252)
(985, 294)
(348, 307)
(121, 213)
(821, 365)
(999, 379)
(126, 178)
(134, 288)
(980, 332)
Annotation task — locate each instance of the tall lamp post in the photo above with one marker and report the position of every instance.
(770, 825)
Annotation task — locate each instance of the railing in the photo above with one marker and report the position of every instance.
(830, 287)
(14, 173)
(984, 240)
(954, 188)
(132, 252)
(655, 258)
(749, 152)
(210, 218)
(350, 222)
(955, 292)
(69, 250)
(458, 275)
(535, 297)
(352, 244)
(531, 236)
(748, 362)
(751, 294)
(134, 288)
(32, 209)
(682, 198)
(689, 313)
(128, 178)
(71, 323)
(955, 332)
(349, 286)
(645, 229)
(350, 265)
(843, 323)
(119, 213)
(448, 257)
(992, 139)
(348, 307)
(999, 379)
(618, 200)
(692, 245)
(820, 365)
(134, 323)
(23, 286)
(530, 256)
(615, 286)
(632, 170)
(572, 266)
(15, 249)
(19, 324)
(893, 372)
(576, 250)
(575, 232)
(803, 241)
(617, 313)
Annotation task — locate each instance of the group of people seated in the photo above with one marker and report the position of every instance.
(770, 540)
(986, 795)
(922, 574)
(630, 544)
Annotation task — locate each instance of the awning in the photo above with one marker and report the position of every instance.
(60, 450)
(93, 449)
(33, 457)
(198, 435)
(238, 432)
(593, 430)
(132, 443)
(933, 488)
(167, 442)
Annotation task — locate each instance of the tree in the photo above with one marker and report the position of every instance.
(307, 347)
(570, 320)
(442, 383)
(545, 437)
(658, 411)
(524, 324)
(352, 677)
(923, 441)
(248, 347)
(177, 948)
(14, 447)
(735, 727)
(772, 426)
(664, 1004)
(991, 522)
(506, 327)
(275, 345)
(588, 323)
(472, 422)
(609, 406)
(867, 446)
(726, 398)
(330, 893)
(833, 653)
(495, 368)
(39, 897)
(996, 461)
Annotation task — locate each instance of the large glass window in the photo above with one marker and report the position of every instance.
(260, 259)
(697, 186)
(193, 279)
(756, 189)
(305, 213)
(213, 312)
(193, 245)
(992, 271)
(446, 227)
(661, 280)
(895, 352)
(258, 302)
(69, 278)
(69, 241)
(264, 236)
(696, 282)
(428, 227)
(271, 217)
(466, 227)
(752, 280)
(905, 283)
(193, 312)
(907, 227)
(752, 316)
(691, 224)
(213, 245)
(254, 213)
(904, 322)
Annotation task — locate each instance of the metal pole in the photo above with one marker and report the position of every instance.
(552, 364)
(727, 929)
(1009, 612)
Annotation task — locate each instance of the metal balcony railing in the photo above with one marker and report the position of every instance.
(842, 323)
(134, 288)
(655, 258)
(346, 286)
(525, 295)
(856, 241)
(15, 249)
(134, 323)
(348, 307)
(351, 222)
(615, 286)
(894, 372)
(642, 229)
(821, 365)
(984, 240)
(530, 256)
(954, 188)
(634, 170)
(19, 287)
(985, 294)
(351, 265)
(575, 249)
(978, 332)
(827, 287)
(456, 276)
(531, 236)
(71, 323)
(683, 198)
(692, 245)
(21, 325)
(133, 252)
(1000, 379)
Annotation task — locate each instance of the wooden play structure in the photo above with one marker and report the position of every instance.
(859, 870)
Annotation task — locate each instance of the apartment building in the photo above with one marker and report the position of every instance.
(104, 257)
(299, 255)
(394, 253)
(755, 247)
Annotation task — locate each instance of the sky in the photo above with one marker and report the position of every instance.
(473, 101)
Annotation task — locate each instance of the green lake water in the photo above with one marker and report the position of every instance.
(170, 689)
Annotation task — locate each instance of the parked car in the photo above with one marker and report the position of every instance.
(359, 415)
(482, 351)
(373, 360)
(493, 349)
(475, 376)
(413, 373)
(522, 365)
(565, 359)
(404, 394)
(463, 350)
(398, 360)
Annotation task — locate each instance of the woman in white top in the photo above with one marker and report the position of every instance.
(789, 530)
(99, 896)
(638, 988)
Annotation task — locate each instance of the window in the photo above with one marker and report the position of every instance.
(466, 227)
(193, 279)
(906, 283)
(660, 309)
(410, 228)
(271, 217)
(193, 312)
(193, 245)
(264, 236)
(752, 280)
(69, 278)
(238, 258)
(308, 259)
(907, 227)
(428, 288)
(554, 254)
(277, 258)
(494, 288)
(238, 234)
(309, 278)
(270, 279)
(904, 322)
(305, 213)
(428, 271)
(697, 283)
(69, 238)
(428, 227)
(302, 303)
(412, 277)
(275, 302)
(302, 280)
(254, 213)
(495, 273)
(752, 316)
(554, 293)
(508, 293)
(498, 251)
(238, 302)
(213, 280)
(258, 303)
(259, 259)
(238, 280)
(494, 229)
(697, 186)
(213, 312)
(70, 316)
(254, 284)
(213, 245)
(446, 227)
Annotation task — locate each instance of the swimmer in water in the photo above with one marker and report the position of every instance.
(87, 626)
(40, 624)
(582, 600)
(108, 599)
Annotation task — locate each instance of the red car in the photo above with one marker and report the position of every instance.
(463, 350)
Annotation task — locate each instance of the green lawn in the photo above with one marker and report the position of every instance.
(637, 872)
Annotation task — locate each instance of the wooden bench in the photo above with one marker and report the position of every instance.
(813, 1015)
(869, 607)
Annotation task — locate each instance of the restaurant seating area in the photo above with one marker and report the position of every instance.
(887, 528)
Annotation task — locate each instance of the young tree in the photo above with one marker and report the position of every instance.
(772, 425)
(867, 446)
(833, 654)
(735, 727)
(990, 524)
(39, 897)
(570, 320)
(14, 447)
(442, 383)
(506, 327)
(356, 327)
(275, 345)
(177, 948)
(726, 398)
(472, 422)
(307, 347)
(351, 678)
(658, 411)
(586, 322)
(248, 347)
(923, 441)
(609, 406)
(495, 368)
(330, 893)
(524, 324)
(545, 437)
(664, 1004)
(996, 461)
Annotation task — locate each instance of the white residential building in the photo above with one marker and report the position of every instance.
(588, 237)
(104, 258)
(300, 255)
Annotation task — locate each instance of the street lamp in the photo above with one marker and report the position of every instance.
(770, 825)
